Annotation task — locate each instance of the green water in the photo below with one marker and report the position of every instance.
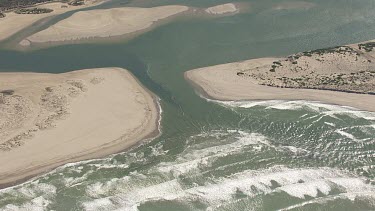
(217, 155)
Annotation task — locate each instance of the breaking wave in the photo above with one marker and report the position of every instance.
(312, 157)
(317, 107)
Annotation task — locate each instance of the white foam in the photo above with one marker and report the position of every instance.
(38, 196)
(295, 182)
(31, 190)
(99, 204)
(37, 204)
(330, 124)
(310, 189)
(192, 159)
(348, 135)
(96, 189)
(131, 197)
(109, 166)
(157, 150)
(160, 116)
(330, 110)
(100, 189)
(321, 200)
(295, 149)
(352, 184)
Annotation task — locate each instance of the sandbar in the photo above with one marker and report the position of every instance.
(13, 23)
(222, 9)
(103, 23)
(47, 120)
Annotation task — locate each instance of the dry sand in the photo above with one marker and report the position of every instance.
(222, 82)
(14, 23)
(47, 120)
(222, 9)
(105, 23)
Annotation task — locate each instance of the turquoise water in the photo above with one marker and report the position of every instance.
(218, 155)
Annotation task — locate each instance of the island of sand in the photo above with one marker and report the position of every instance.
(47, 120)
(12, 22)
(104, 23)
(222, 9)
(343, 75)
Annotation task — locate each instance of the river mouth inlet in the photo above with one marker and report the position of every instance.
(266, 155)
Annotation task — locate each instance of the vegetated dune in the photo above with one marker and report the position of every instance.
(47, 120)
(343, 75)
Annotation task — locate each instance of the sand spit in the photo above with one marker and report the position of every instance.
(342, 75)
(13, 23)
(47, 120)
(104, 23)
(222, 9)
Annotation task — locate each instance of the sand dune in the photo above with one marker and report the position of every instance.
(14, 23)
(105, 23)
(50, 119)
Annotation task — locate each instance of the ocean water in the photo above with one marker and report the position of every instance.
(215, 155)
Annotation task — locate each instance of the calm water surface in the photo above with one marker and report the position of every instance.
(217, 155)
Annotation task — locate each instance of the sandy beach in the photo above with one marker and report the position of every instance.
(13, 23)
(222, 82)
(104, 23)
(47, 120)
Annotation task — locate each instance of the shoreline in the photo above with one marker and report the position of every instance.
(124, 143)
(89, 40)
(217, 90)
(49, 169)
(52, 36)
(80, 27)
(204, 95)
(13, 23)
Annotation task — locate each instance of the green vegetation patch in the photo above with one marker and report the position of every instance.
(368, 47)
(33, 11)
(13, 4)
(76, 3)
(7, 92)
(337, 49)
